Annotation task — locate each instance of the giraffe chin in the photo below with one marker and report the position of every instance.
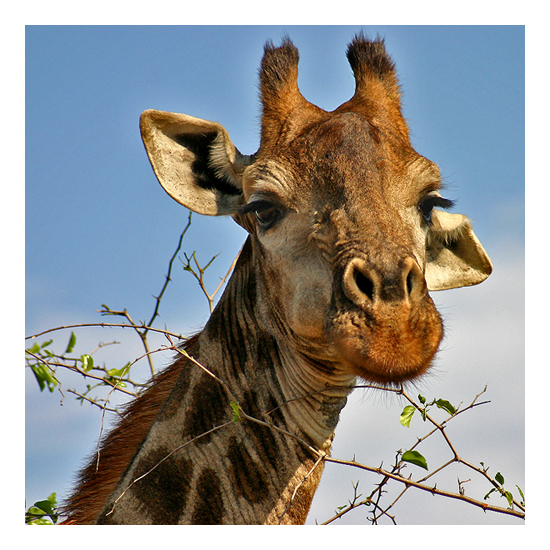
(388, 361)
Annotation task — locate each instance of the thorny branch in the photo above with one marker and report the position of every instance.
(141, 326)
(395, 473)
(198, 272)
(433, 490)
(168, 275)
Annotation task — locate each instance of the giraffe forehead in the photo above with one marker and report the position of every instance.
(343, 159)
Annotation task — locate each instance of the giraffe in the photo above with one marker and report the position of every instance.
(344, 242)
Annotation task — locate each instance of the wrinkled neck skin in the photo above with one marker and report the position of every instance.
(310, 391)
(313, 398)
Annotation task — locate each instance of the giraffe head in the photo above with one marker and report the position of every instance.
(341, 211)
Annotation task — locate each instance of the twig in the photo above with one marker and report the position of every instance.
(456, 457)
(168, 279)
(106, 325)
(92, 401)
(200, 276)
(433, 490)
(74, 368)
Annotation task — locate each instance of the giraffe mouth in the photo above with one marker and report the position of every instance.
(393, 348)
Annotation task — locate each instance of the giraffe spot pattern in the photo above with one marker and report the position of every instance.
(247, 475)
(163, 492)
(210, 399)
(209, 509)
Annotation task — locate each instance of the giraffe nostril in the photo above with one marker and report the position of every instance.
(410, 282)
(364, 284)
(415, 281)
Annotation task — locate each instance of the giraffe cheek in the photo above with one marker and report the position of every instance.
(308, 309)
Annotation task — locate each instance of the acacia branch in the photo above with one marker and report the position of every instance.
(456, 458)
(92, 401)
(74, 368)
(200, 276)
(433, 490)
(107, 325)
(169, 272)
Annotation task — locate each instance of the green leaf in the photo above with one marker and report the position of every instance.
(36, 514)
(406, 416)
(422, 399)
(509, 498)
(39, 376)
(236, 408)
(71, 344)
(35, 349)
(45, 506)
(521, 493)
(499, 478)
(44, 377)
(414, 457)
(445, 405)
(117, 373)
(87, 362)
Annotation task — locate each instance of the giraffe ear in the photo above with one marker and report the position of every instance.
(195, 161)
(454, 256)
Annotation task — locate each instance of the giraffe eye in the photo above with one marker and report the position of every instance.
(429, 202)
(266, 218)
(265, 212)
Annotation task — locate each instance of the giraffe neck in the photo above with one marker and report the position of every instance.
(197, 465)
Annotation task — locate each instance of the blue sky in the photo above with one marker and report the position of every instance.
(100, 229)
